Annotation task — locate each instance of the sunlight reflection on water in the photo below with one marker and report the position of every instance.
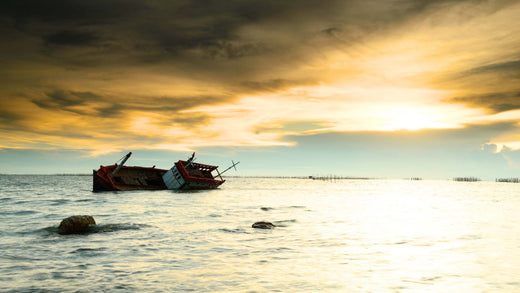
(344, 235)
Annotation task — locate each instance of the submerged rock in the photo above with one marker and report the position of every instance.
(76, 224)
(264, 225)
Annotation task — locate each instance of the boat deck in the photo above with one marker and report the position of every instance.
(139, 177)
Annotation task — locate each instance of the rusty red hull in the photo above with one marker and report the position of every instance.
(190, 175)
(183, 175)
(128, 178)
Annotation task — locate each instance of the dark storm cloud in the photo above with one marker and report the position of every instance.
(72, 38)
(108, 107)
(168, 28)
(70, 100)
(243, 46)
(511, 68)
(8, 118)
(495, 102)
(271, 85)
(173, 25)
(499, 82)
(70, 11)
(191, 119)
(215, 40)
(60, 99)
(178, 103)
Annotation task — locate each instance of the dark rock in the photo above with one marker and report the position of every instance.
(76, 224)
(266, 209)
(263, 225)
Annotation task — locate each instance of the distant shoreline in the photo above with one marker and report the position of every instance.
(1, 174)
(320, 178)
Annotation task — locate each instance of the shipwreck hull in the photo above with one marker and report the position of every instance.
(128, 178)
(178, 177)
(183, 175)
(188, 175)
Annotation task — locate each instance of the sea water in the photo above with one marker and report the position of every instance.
(331, 236)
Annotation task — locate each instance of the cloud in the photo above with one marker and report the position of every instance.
(499, 85)
(110, 106)
(202, 29)
(272, 85)
(71, 38)
(204, 72)
(58, 11)
(7, 118)
(495, 102)
(509, 67)
(80, 103)
(63, 99)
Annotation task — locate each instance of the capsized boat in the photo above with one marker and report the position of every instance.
(183, 175)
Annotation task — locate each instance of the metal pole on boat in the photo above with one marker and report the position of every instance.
(232, 166)
(190, 160)
(122, 163)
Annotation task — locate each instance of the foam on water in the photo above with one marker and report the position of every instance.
(346, 235)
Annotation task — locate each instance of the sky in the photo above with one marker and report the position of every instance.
(374, 88)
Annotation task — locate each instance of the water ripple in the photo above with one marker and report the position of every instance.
(237, 230)
(380, 235)
(19, 213)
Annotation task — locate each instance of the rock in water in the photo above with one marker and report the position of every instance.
(76, 224)
(263, 225)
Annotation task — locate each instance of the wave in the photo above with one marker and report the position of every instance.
(89, 251)
(57, 202)
(100, 228)
(85, 200)
(119, 227)
(238, 230)
(284, 223)
(19, 213)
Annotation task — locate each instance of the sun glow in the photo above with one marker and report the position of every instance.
(408, 118)
(342, 107)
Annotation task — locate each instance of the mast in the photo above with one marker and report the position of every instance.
(190, 160)
(122, 163)
(232, 166)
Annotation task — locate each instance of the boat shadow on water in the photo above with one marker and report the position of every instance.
(167, 191)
